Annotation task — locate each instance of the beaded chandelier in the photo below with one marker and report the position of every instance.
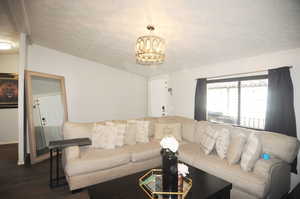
(150, 49)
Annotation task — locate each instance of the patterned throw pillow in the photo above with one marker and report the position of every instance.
(167, 129)
(142, 133)
(201, 127)
(104, 136)
(222, 143)
(120, 128)
(208, 140)
(236, 147)
(251, 152)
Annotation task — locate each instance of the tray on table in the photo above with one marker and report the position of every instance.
(151, 183)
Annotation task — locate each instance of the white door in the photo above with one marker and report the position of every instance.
(158, 100)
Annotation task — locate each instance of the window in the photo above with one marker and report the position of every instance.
(238, 101)
(222, 100)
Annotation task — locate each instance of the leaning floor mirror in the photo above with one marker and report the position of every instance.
(46, 110)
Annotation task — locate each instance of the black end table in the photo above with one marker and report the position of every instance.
(57, 146)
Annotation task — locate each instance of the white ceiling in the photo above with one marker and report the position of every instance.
(197, 32)
(8, 30)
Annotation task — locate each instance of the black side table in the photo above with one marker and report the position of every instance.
(57, 146)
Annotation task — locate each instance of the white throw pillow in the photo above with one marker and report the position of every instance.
(236, 147)
(222, 143)
(208, 140)
(167, 129)
(121, 129)
(252, 152)
(104, 136)
(142, 133)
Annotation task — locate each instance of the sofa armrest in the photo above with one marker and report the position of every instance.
(277, 174)
(70, 153)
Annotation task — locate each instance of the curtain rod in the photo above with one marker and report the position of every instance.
(235, 74)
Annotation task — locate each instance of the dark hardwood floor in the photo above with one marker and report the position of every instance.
(28, 182)
(31, 182)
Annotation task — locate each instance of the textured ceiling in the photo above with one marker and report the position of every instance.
(197, 32)
(7, 29)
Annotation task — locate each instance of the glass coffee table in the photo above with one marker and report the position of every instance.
(151, 184)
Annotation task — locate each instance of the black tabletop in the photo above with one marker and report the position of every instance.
(205, 186)
(69, 142)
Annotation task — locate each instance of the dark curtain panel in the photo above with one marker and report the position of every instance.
(280, 116)
(200, 100)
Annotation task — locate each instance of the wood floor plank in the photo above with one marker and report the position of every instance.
(28, 182)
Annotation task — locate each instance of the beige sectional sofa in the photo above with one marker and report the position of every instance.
(85, 166)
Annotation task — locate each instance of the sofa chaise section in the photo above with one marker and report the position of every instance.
(94, 166)
(269, 178)
(86, 166)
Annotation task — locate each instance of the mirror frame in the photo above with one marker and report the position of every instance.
(29, 111)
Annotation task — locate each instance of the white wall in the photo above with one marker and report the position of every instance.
(9, 117)
(184, 83)
(95, 92)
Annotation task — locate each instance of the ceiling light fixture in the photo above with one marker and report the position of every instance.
(150, 49)
(4, 45)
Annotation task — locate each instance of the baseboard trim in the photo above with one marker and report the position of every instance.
(13, 142)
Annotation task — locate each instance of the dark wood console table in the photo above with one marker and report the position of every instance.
(57, 146)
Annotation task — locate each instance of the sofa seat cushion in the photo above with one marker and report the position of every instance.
(144, 151)
(246, 181)
(97, 159)
(188, 152)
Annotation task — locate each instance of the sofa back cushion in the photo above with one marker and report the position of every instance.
(130, 134)
(279, 145)
(172, 119)
(152, 121)
(142, 133)
(167, 129)
(167, 119)
(77, 130)
(241, 130)
(188, 130)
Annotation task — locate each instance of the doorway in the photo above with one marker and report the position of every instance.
(158, 97)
